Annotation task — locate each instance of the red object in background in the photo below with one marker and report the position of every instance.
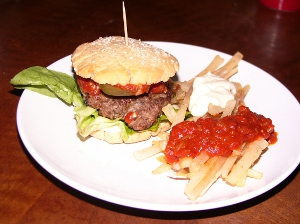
(283, 5)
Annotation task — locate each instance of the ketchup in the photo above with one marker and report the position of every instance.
(218, 137)
(88, 86)
(155, 88)
(91, 87)
(135, 89)
(130, 116)
(160, 87)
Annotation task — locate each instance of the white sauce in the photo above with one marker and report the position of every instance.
(208, 89)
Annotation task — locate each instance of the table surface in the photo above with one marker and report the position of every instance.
(41, 32)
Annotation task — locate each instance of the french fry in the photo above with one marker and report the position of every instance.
(215, 63)
(240, 96)
(254, 174)
(161, 159)
(198, 176)
(146, 153)
(230, 105)
(162, 169)
(242, 180)
(185, 86)
(229, 66)
(250, 155)
(183, 107)
(227, 111)
(170, 113)
(180, 175)
(198, 161)
(185, 162)
(196, 187)
(229, 162)
(214, 110)
(163, 135)
(230, 73)
(161, 144)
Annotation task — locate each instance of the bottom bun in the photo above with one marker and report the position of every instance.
(116, 137)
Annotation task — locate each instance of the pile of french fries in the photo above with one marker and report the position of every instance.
(203, 170)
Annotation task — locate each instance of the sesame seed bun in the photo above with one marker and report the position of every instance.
(108, 60)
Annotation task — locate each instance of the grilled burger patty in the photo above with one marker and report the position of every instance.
(142, 111)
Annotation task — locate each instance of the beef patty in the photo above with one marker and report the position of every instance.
(147, 107)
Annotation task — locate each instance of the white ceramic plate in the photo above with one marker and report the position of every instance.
(109, 172)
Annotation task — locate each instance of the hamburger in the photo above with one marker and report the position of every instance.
(128, 82)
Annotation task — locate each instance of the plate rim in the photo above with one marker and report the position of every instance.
(142, 205)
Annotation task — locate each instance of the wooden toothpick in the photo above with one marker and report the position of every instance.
(125, 25)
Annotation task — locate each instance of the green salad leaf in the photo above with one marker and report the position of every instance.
(154, 127)
(50, 83)
(89, 121)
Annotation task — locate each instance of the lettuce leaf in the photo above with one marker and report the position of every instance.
(88, 121)
(50, 83)
(154, 127)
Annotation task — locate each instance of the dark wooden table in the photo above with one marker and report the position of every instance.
(41, 32)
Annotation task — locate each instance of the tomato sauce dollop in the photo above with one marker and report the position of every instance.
(155, 88)
(134, 89)
(218, 137)
(88, 86)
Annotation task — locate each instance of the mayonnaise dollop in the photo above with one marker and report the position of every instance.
(208, 89)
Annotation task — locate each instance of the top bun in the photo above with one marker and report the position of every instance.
(109, 61)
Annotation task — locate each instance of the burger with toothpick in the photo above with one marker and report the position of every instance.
(127, 84)
(120, 87)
